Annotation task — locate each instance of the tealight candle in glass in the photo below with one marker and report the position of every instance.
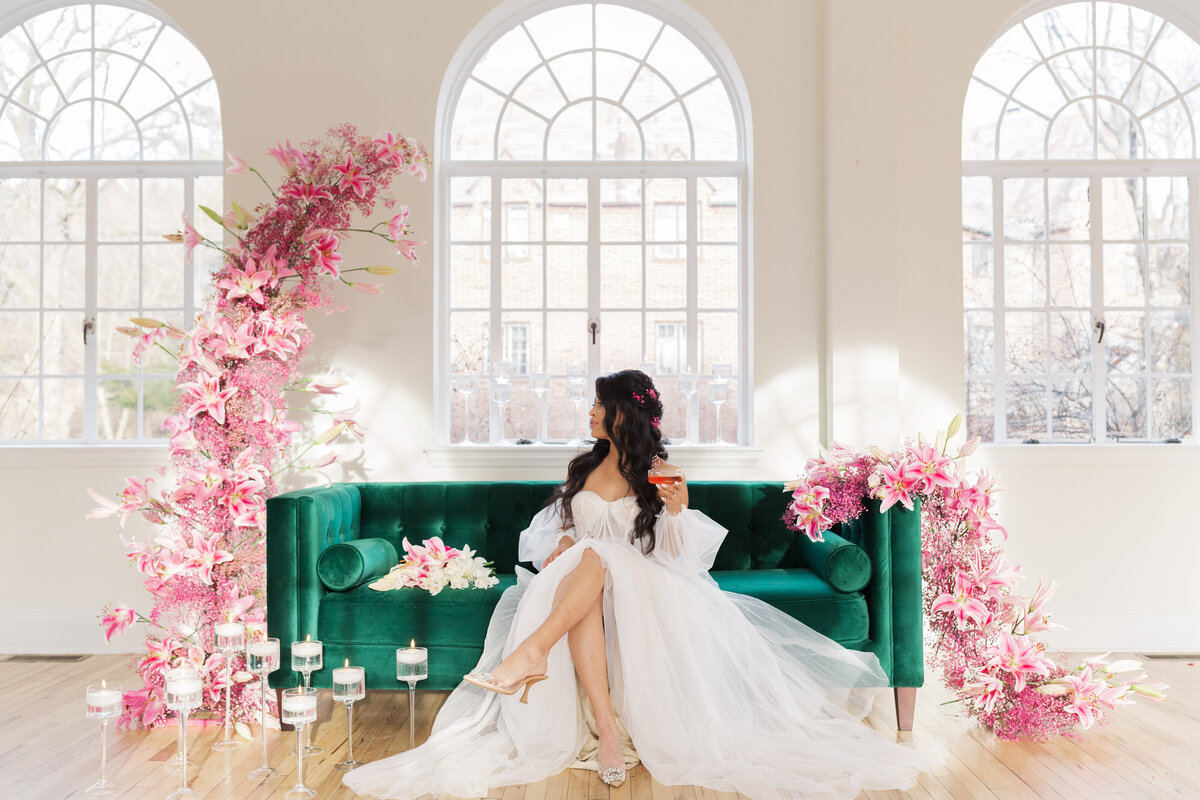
(307, 658)
(104, 702)
(262, 658)
(229, 638)
(349, 685)
(299, 708)
(412, 665)
(183, 693)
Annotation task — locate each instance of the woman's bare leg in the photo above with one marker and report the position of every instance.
(590, 655)
(577, 594)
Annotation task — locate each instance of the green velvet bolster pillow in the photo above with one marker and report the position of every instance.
(345, 565)
(844, 565)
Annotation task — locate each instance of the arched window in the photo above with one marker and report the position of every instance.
(592, 175)
(1080, 195)
(110, 130)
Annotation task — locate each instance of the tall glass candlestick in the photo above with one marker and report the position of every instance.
(299, 709)
(230, 637)
(540, 383)
(349, 684)
(262, 658)
(412, 665)
(183, 691)
(307, 658)
(103, 703)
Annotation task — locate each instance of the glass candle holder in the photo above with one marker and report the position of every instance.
(104, 702)
(184, 691)
(308, 657)
(299, 708)
(349, 685)
(229, 638)
(262, 658)
(412, 665)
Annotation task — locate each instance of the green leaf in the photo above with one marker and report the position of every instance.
(214, 216)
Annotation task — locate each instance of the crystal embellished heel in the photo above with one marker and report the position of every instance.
(485, 680)
(613, 776)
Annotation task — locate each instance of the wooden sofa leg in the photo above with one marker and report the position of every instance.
(906, 704)
(279, 706)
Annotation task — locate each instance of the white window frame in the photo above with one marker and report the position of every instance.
(92, 172)
(686, 21)
(675, 220)
(998, 170)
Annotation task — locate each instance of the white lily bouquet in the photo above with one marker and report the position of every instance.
(433, 566)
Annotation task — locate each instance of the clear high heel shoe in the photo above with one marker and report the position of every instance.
(485, 680)
(613, 776)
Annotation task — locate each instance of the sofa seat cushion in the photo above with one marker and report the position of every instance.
(842, 616)
(451, 617)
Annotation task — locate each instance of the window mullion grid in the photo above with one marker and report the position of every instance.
(593, 295)
(91, 393)
(138, 380)
(693, 325)
(645, 241)
(41, 317)
(495, 328)
(1149, 369)
(999, 384)
(1099, 381)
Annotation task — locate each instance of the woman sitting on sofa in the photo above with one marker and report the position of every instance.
(638, 656)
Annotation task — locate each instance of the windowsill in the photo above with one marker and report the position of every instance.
(1150, 454)
(85, 456)
(542, 455)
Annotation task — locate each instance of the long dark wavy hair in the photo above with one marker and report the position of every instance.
(632, 411)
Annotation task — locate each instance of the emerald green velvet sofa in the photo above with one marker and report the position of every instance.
(861, 587)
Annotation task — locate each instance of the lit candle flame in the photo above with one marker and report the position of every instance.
(103, 684)
(412, 645)
(347, 663)
(308, 637)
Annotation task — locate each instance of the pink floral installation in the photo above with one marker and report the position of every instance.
(231, 435)
(984, 634)
(433, 566)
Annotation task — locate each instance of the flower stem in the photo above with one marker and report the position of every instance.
(264, 180)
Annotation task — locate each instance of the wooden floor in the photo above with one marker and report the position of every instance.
(49, 751)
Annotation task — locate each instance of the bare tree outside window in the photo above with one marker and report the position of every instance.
(610, 142)
(121, 116)
(1080, 179)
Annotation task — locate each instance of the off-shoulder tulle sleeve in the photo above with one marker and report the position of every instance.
(687, 542)
(541, 537)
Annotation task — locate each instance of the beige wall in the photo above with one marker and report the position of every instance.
(856, 291)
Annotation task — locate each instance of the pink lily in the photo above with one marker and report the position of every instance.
(191, 238)
(396, 226)
(279, 335)
(200, 484)
(986, 690)
(116, 619)
(898, 485)
(326, 256)
(1016, 657)
(935, 469)
(107, 508)
(233, 343)
(204, 554)
(239, 167)
(1037, 619)
(406, 248)
(962, 604)
(389, 148)
(158, 654)
(352, 177)
(277, 266)
(252, 514)
(285, 154)
(277, 419)
(246, 283)
(994, 578)
(367, 288)
(308, 192)
(207, 396)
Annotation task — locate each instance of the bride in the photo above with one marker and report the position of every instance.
(623, 650)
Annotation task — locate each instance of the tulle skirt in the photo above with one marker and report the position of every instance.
(715, 689)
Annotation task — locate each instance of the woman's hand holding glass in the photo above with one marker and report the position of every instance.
(672, 486)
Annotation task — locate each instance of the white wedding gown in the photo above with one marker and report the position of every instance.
(715, 689)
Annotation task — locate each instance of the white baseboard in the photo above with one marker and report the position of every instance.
(1125, 633)
(30, 633)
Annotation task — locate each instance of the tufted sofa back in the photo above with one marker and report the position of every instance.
(489, 516)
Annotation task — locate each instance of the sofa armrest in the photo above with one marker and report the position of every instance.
(300, 525)
(892, 539)
(846, 570)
